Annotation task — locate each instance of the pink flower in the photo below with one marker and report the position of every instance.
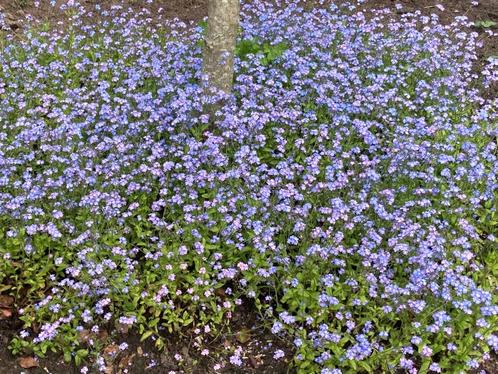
(242, 266)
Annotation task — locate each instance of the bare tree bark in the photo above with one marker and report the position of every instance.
(222, 28)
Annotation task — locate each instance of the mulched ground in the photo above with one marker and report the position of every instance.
(142, 357)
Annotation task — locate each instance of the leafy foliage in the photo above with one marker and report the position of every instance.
(347, 190)
(485, 23)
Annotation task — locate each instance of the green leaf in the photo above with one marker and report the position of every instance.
(145, 335)
(365, 366)
(485, 23)
(80, 355)
(159, 344)
(245, 47)
(203, 25)
(67, 356)
(425, 366)
(5, 287)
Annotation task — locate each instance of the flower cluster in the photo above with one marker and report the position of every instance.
(346, 189)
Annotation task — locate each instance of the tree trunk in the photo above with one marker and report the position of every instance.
(222, 28)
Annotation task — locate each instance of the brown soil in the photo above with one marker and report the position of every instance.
(139, 357)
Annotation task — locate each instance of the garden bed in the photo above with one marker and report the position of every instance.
(245, 330)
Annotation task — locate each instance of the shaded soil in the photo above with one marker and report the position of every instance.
(142, 357)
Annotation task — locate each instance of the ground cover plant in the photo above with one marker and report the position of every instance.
(346, 191)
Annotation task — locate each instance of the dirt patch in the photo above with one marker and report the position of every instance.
(195, 10)
(484, 15)
(125, 353)
(186, 10)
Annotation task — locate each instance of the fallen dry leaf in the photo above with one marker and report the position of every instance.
(6, 301)
(254, 362)
(184, 350)
(110, 352)
(243, 335)
(220, 292)
(5, 313)
(28, 362)
(84, 336)
(35, 327)
(102, 335)
(126, 361)
(122, 328)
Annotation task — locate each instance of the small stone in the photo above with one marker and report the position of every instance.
(140, 351)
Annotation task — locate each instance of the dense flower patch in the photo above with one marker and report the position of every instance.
(347, 189)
